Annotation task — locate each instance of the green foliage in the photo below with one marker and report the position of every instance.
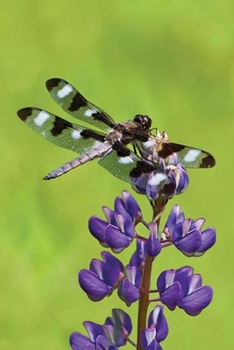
(172, 60)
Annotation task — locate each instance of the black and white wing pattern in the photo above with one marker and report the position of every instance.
(174, 153)
(61, 132)
(73, 103)
(188, 156)
(110, 146)
(87, 142)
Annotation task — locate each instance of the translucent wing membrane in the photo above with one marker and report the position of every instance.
(174, 153)
(60, 132)
(195, 158)
(119, 166)
(72, 102)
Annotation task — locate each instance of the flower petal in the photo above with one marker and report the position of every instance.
(208, 237)
(128, 292)
(93, 329)
(190, 243)
(158, 321)
(194, 303)
(79, 342)
(116, 239)
(132, 206)
(97, 228)
(95, 288)
(172, 296)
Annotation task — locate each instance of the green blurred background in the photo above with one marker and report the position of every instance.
(172, 60)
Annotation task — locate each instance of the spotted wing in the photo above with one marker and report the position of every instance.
(188, 156)
(72, 102)
(61, 132)
(174, 153)
(125, 165)
(119, 166)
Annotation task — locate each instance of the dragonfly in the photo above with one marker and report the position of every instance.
(111, 144)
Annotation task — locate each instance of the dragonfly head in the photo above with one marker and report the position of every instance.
(143, 121)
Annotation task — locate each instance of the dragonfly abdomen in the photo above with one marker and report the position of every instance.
(98, 152)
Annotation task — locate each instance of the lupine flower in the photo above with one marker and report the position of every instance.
(166, 177)
(128, 289)
(148, 340)
(138, 257)
(180, 287)
(79, 342)
(152, 245)
(186, 235)
(112, 334)
(128, 204)
(116, 330)
(158, 321)
(184, 289)
(157, 329)
(118, 231)
(102, 278)
(119, 327)
(107, 275)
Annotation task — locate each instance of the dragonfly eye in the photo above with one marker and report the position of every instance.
(143, 121)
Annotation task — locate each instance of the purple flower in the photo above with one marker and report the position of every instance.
(184, 289)
(128, 204)
(165, 180)
(96, 337)
(118, 231)
(112, 334)
(102, 278)
(157, 329)
(157, 175)
(105, 276)
(79, 342)
(118, 327)
(177, 288)
(186, 234)
(128, 289)
(138, 257)
(154, 345)
(158, 321)
(152, 245)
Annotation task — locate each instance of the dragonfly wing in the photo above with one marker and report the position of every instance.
(126, 165)
(174, 153)
(72, 102)
(119, 166)
(61, 132)
(188, 156)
